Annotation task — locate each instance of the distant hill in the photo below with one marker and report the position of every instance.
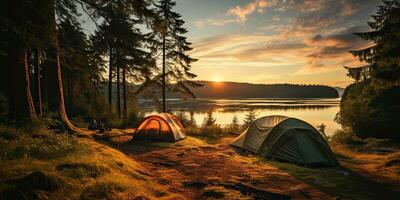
(248, 90)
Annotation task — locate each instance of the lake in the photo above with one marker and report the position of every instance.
(313, 111)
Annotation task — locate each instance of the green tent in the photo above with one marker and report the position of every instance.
(286, 139)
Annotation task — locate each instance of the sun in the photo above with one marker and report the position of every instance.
(216, 79)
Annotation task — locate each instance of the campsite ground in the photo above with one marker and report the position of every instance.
(114, 167)
(196, 169)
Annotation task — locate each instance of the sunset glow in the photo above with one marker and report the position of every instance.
(276, 41)
(216, 79)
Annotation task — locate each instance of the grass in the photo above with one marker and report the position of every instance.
(209, 134)
(84, 168)
(42, 145)
(339, 182)
(219, 192)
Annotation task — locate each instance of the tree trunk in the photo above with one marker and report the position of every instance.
(38, 87)
(118, 90)
(20, 99)
(124, 92)
(110, 69)
(52, 95)
(61, 103)
(163, 77)
(55, 69)
(31, 105)
(71, 93)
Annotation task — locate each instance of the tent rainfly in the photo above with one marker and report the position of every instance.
(286, 139)
(163, 127)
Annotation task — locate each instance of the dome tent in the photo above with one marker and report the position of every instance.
(163, 127)
(286, 139)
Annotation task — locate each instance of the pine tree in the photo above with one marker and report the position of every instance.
(383, 58)
(124, 44)
(192, 120)
(249, 118)
(209, 120)
(176, 63)
(372, 102)
(234, 126)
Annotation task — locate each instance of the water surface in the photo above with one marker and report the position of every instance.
(313, 111)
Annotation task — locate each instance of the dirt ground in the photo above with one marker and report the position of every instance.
(197, 170)
(194, 169)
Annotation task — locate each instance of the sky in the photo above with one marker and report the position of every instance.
(275, 41)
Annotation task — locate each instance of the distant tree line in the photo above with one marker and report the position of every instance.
(48, 63)
(247, 90)
(370, 107)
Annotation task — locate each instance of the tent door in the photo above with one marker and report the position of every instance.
(153, 127)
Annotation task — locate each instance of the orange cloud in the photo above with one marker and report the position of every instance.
(241, 13)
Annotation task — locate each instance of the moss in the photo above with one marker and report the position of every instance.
(81, 164)
(44, 144)
(102, 190)
(82, 170)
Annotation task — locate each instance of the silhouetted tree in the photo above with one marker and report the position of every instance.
(370, 106)
(235, 125)
(209, 120)
(176, 63)
(124, 45)
(251, 115)
(382, 57)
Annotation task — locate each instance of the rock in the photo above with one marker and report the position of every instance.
(37, 181)
(394, 162)
(305, 193)
(33, 186)
(385, 150)
(214, 194)
(195, 184)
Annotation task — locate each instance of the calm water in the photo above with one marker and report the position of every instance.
(313, 111)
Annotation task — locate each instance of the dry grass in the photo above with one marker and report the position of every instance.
(372, 165)
(85, 172)
(189, 169)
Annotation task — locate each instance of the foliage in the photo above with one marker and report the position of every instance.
(18, 143)
(125, 38)
(383, 57)
(370, 106)
(192, 121)
(234, 127)
(209, 120)
(183, 119)
(80, 77)
(371, 110)
(168, 39)
(251, 115)
(345, 137)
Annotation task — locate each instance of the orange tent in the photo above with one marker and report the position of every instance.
(164, 127)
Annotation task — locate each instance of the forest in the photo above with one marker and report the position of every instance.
(58, 75)
(51, 65)
(370, 106)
